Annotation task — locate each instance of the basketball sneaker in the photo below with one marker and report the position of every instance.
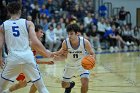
(68, 90)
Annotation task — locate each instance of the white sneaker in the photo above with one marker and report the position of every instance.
(132, 43)
(128, 43)
(99, 50)
(116, 49)
(111, 49)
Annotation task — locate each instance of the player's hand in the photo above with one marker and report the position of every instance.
(61, 52)
(65, 52)
(45, 62)
(94, 56)
(50, 62)
(58, 58)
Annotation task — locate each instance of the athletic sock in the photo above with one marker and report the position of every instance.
(6, 91)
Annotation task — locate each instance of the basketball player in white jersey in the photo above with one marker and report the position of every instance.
(16, 33)
(21, 77)
(77, 47)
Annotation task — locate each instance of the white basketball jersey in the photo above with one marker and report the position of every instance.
(16, 35)
(75, 56)
(17, 41)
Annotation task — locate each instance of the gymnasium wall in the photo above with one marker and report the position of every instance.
(130, 5)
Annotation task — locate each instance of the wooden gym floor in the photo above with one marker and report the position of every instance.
(114, 73)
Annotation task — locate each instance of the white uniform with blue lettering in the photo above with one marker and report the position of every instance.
(73, 61)
(20, 57)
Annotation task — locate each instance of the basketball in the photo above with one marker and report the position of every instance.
(88, 62)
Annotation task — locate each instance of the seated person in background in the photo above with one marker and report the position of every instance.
(136, 36)
(114, 38)
(94, 38)
(51, 40)
(127, 34)
(101, 25)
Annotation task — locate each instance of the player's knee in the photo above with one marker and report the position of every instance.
(23, 84)
(84, 84)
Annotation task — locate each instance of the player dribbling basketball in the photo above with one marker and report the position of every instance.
(76, 47)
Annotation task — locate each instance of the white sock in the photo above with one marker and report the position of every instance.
(6, 91)
(40, 86)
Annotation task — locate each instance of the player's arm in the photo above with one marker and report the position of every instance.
(44, 62)
(1, 45)
(89, 48)
(62, 53)
(37, 45)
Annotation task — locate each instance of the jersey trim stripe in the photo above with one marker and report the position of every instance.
(84, 74)
(66, 78)
(26, 26)
(3, 27)
(66, 43)
(36, 80)
(6, 78)
(84, 43)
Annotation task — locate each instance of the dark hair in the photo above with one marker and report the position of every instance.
(14, 7)
(51, 25)
(73, 27)
(37, 27)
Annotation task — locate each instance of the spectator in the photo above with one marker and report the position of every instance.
(113, 37)
(87, 19)
(95, 19)
(93, 37)
(136, 36)
(62, 22)
(122, 16)
(101, 28)
(45, 11)
(52, 21)
(50, 6)
(65, 5)
(59, 33)
(35, 14)
(88, 5)
(127, 34)
(82, 29)
(50, 39)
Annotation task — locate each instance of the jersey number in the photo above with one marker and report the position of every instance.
(75, 55)
(15, 31)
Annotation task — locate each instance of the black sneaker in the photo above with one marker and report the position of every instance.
(68, 90)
